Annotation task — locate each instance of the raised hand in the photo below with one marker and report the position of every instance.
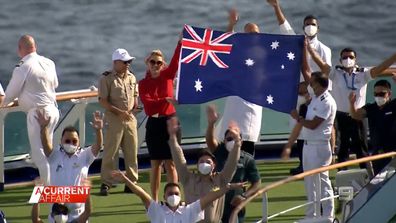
(42, 119)
(352, 97)
(173, 126)
(97, 120)
(118, 176)
(212, 114)
(273, 3)
(233, 17)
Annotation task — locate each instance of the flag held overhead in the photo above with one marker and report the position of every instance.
(261, 68)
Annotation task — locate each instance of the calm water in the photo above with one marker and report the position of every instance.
(80, 35)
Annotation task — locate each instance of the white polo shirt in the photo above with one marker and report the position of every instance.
(70, 171)
(344, 84)
(323, 51)
(323, 107)
(33, 82)
(160, 213)
(247, 115)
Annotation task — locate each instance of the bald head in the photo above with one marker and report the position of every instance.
(251, 28)
(26, 45)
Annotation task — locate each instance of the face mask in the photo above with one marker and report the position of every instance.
(230, 145)
(173, 200)
(300, 100)
(380, 100)
(205, 168)
(310, 91)
(60, 218)
(310, 30)
(69, 148)
(348, 63)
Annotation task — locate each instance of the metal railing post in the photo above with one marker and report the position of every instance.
(265, 208)
(318, 193)
(2, 149)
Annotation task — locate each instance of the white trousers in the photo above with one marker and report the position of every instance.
(317, 155)
(37, 152)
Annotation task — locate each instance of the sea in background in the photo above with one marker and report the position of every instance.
(80, 36)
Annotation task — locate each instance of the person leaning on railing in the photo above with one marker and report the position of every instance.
(196, 185)
(382, 121)
(246, 168)
(33, 82)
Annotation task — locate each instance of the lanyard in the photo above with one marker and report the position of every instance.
(353, 82)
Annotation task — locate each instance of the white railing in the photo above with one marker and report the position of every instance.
(263, 191)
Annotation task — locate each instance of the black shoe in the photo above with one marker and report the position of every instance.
(296, 170)
(104, 190)
(127, 190)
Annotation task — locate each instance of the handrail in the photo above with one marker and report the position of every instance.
(300, 176)
(68, 95)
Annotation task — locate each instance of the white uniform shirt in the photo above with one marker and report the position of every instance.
(247, 115)
(70, 171)
(323, 51)
(1, 90)
(323, 107)
(344, 84)
(160, 213)
(33, 82)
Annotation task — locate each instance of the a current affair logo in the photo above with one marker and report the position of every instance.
(59, 194)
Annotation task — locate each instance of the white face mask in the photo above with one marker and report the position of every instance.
(60, 218)
(348, 63)
(310, 30)
(173, 200)
(380, 100)
(230, 145)
(310, 91)
(69, 148)
(300, 100)
(205, 168)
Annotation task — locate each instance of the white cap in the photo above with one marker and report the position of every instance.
(121, 54)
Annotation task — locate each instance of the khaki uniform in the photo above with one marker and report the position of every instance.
(121, 93)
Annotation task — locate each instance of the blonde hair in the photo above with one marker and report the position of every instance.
(156, 52)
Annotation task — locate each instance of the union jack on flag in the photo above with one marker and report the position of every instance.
(205, 47)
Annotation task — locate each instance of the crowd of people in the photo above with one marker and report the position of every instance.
(331, 102)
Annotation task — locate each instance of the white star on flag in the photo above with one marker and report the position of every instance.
(275, 45)
(283, 67)
(270, 99)
(249, 62)
(198, 85)
(290, 55)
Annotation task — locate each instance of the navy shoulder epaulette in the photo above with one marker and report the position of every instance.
(19, 64)
(106, 73)
(322, 97)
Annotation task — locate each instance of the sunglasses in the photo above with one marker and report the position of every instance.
(154, 62)
(380, 94)
(127, 62)
(74, 141)
(228, 139)
(346, 57)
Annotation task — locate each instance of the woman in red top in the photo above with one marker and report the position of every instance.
(156, 93)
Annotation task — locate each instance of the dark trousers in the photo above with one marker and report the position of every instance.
(352, 138)
(378, 165)
(299, 150)
(248, 147)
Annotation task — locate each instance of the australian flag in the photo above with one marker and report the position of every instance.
(261, 68)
